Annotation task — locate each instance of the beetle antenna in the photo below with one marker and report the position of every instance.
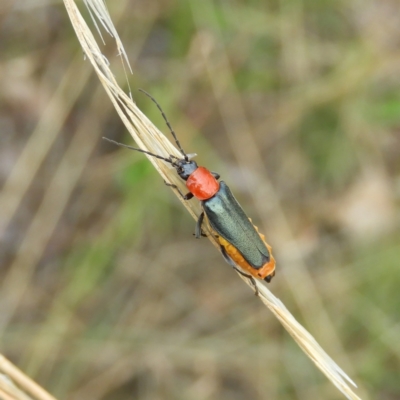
(167, 122)
(142, 151)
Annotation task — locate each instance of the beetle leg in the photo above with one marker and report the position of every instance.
(216, 175)
(233, 265)
(198, 232)
(187, 196)
(252, 280)
(227, 258)
(202, 234)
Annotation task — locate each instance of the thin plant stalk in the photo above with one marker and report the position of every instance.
(15, 385)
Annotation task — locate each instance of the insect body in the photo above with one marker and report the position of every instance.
(239, 239)
(240, 242)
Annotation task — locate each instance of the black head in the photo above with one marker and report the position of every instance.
(185, 168)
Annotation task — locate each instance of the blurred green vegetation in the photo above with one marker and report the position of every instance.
(105, 293)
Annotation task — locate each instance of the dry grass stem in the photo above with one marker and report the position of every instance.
(15, 385)
(149, 138)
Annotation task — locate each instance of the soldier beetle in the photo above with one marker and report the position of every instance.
(242, 246)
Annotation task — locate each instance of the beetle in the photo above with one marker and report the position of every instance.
(240, 242)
